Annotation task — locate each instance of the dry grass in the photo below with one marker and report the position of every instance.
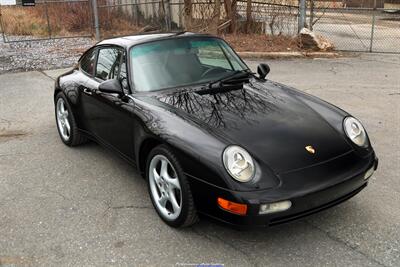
(19, 21)
(75, 18)
(262, 43)
(65, 19)
(115, 24)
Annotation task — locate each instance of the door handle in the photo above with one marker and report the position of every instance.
(87, 91)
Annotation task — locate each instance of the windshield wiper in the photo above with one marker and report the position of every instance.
(236, 77)
(233, 81)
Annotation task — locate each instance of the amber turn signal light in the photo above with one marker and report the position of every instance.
(233, 207)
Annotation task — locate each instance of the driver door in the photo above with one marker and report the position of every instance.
(109, 118)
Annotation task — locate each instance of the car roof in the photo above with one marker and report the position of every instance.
(128, 41)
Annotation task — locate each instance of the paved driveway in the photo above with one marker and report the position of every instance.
(85, 206)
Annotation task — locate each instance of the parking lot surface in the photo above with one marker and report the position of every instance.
(85, 206)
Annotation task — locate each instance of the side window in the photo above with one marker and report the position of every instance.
(108, 63)
(88, 61)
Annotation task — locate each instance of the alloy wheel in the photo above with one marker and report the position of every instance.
(165, 187)
(62, 120)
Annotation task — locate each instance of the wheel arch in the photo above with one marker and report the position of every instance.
(56, 92)
(57, 88)
(148, 144)
(198, 151)
(144, 149)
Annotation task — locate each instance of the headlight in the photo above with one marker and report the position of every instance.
(238, 163)
(355, 131)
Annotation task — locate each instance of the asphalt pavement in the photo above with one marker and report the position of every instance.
(85, 206)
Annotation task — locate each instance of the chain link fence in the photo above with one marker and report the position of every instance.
(270, 17)
(358, 29)
(350, 25)
(48, 19)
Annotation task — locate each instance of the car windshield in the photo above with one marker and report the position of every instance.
(182, 61)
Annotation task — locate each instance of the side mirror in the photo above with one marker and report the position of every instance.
(263, 70)
(111, 86)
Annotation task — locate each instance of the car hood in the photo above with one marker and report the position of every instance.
(274, 125)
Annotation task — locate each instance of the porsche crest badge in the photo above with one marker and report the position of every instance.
(310, 149)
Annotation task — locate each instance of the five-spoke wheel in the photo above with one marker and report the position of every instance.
(169, 189)
(66, 125)
(165, 187)
(62, 119)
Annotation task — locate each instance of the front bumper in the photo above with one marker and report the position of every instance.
(303, 204)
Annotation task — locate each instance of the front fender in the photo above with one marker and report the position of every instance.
(198, 149)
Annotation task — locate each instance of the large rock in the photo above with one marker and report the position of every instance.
(309, 40)
(149, 28)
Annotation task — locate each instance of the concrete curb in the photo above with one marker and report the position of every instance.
(288, 54)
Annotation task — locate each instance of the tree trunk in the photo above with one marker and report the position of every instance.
(311, 15)
(217, 13)
(230, 7)
(233, 16)
(188, 14)
(248, 16)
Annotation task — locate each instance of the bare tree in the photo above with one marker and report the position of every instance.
(188, 14)
(230, 8)
(248, 16)
(313, 18)
(311, 14)
(216, 15)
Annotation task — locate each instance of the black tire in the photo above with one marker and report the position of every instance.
(188, 215)
(76, 138)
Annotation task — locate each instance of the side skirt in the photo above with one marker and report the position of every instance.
(108, 146)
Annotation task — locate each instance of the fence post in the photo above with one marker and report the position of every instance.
(96, 20)
(136, 12)
(167, 14)
(302, 14)
(372, 27)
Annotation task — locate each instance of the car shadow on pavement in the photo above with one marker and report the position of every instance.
(131, 178)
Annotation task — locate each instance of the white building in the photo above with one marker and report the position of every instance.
(7, 2)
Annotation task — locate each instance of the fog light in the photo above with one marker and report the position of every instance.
(275, 207)
(369, 173)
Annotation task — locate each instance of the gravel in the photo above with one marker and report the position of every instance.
(41, 55)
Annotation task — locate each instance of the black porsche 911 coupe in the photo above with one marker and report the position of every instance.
(211, 137)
